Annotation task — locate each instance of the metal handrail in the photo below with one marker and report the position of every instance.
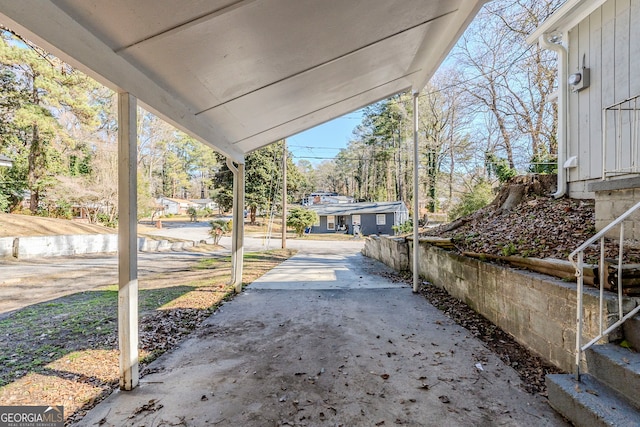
(624, 135)
(579, 266)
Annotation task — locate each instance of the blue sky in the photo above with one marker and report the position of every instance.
(323, 142)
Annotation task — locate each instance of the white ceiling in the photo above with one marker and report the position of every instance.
(241, 74)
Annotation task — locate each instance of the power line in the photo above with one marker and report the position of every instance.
(501, 71)
(315, 148)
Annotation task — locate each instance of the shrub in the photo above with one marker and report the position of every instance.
(509, 249)
(193, 214)
(500, 167)
(405, 227)
(218, 228)
(105, 220)
(480, 196)
(544, 163)
(300, 218)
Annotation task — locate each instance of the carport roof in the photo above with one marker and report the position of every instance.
(241, 74)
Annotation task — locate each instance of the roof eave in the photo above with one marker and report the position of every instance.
(59, 34)
(568, 16)
(435, 48)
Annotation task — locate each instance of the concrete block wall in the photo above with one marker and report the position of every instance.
(6, 246)
(610, 204)
(392, 251)
(48, 246)
(151, 245)
(537, 310)
(45, 246)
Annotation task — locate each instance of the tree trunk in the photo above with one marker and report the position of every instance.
(33, 175)
(252, 211)
(432, 175)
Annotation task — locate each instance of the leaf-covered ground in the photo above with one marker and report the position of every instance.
(531, 368)
(538, 227)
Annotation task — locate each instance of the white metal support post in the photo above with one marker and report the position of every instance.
(127, 242)
(237, 233)
(416, 213)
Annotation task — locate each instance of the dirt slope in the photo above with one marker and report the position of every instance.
(524, 220)
(13, 225)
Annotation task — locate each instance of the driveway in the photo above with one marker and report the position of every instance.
(327, 339)
(200, 231)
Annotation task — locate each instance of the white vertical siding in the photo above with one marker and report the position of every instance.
(634, 47)
(582, 57)
(621, 46)
(592, 159)
(622, 71)
(573, 144)
(609, 40)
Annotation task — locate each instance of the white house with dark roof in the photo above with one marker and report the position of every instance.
(319, 198)
(173, 206)
(204, 203)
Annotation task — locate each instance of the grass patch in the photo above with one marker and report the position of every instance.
(37, 335)
(74, 338)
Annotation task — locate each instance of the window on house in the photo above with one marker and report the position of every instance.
(355, 219)
(331, 222)
(381, 219)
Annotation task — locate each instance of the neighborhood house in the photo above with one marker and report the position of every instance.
(172, 206)
(367, 218)
(319, 198)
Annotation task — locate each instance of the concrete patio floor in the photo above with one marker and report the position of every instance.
(326, 340)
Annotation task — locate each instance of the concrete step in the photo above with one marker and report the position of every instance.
(632, 332)
(589, 403)
(618, 368)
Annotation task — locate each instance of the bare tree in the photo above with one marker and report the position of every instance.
(510, 80)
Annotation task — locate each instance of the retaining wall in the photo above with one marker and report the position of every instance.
(539, 311)
(48, 246)
(393, 251)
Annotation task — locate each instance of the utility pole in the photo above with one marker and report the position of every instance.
(416, 194)
(284, 194)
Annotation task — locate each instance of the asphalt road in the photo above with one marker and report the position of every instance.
(27, 282)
